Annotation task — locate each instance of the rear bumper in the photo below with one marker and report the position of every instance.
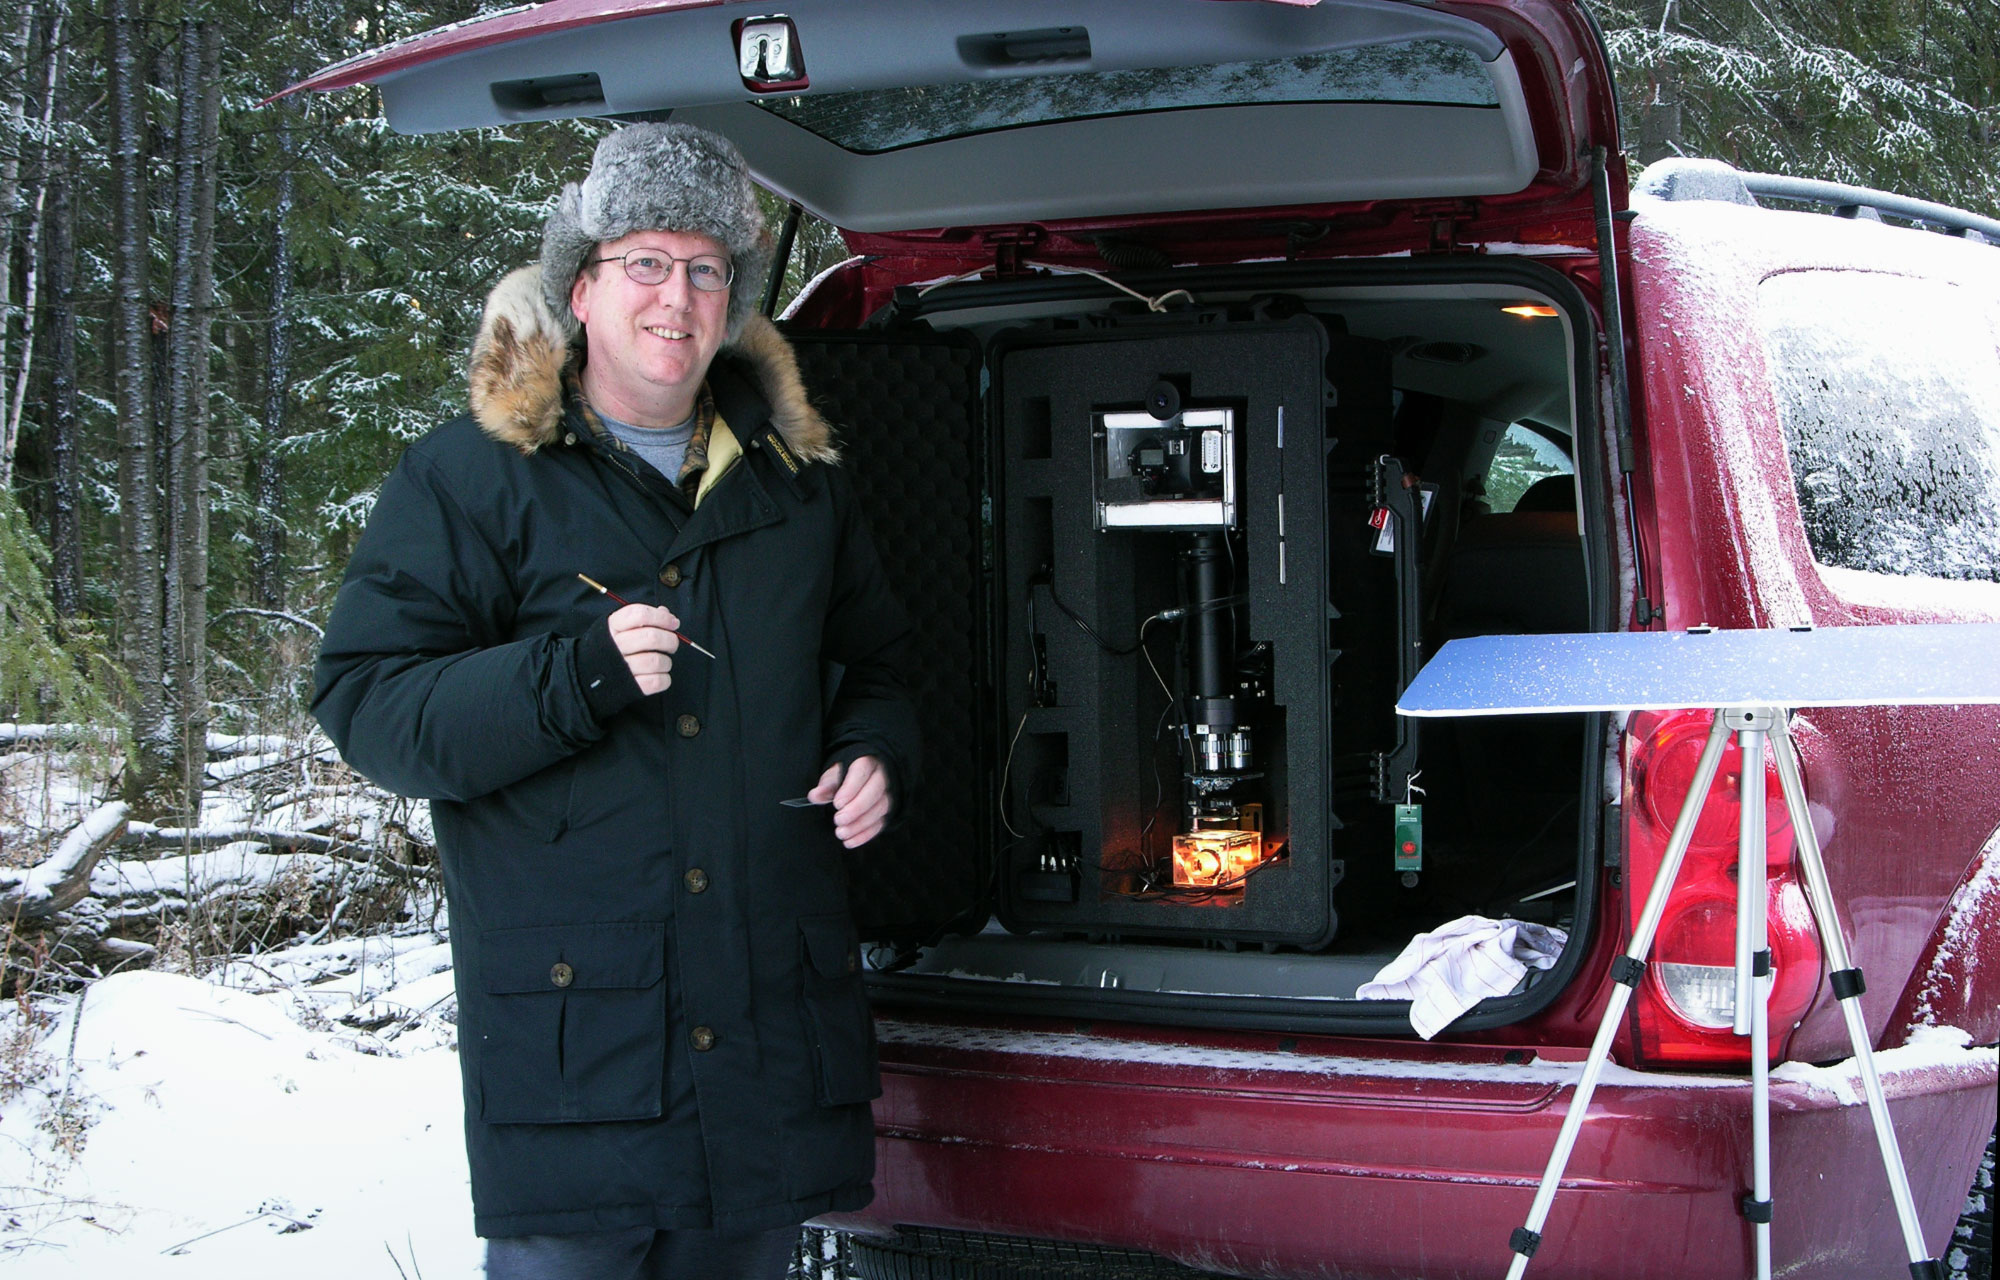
(1254, 1155)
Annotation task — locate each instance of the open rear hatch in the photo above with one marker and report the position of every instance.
(887, 115)
(1173, 560)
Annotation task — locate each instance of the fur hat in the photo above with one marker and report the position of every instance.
(659, 177)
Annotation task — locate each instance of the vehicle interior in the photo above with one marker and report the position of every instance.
(1208, 547)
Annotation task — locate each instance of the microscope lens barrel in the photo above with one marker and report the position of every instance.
(1211, 650)
(1239, 750)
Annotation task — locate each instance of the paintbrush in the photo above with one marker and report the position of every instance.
(603, 590)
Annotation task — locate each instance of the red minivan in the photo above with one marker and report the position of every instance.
(1207, 365)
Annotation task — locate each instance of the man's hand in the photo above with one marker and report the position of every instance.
(644, 633)
(860, 799)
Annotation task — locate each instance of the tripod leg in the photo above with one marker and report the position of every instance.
(1753, 967)
(1757, 1206)
(1847, 988)
(1750, 728)
(1626, 971)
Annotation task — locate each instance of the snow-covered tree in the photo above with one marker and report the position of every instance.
(1897, 94)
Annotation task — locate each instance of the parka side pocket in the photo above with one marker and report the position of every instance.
(537, 806)
(837, 1015)
(572, 1023)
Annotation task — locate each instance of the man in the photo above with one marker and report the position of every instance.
(667, 1053)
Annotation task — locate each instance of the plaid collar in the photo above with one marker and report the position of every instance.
(692, 466)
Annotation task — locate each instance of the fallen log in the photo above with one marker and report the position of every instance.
(156, 841)
(221, 746)
(60, 880)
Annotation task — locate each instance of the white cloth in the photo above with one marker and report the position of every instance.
(1453, 967)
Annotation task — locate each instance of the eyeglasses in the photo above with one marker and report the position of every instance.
(706, 271)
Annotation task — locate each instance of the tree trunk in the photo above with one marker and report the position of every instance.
(66, 485)
(55, 55)
(193, 497)
(186, 652)
(1659, 132)
(176, 427)
(138, 484)
(267, 480)
(15, 107)
(268, 477)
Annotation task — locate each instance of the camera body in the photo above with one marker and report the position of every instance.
(1172, 473)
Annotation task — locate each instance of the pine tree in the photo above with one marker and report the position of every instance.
(50, 669)
(1895, 94)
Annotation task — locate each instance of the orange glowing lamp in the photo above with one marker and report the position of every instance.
(1215, 859)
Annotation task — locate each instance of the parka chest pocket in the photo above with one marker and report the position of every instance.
(573, 1023)
(837, 1016)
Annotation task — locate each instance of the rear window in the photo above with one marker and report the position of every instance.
(877, 120)
(1530, 459)
(1888, 391)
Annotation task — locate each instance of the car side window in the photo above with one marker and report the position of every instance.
(1528, 458)
(1888, 392)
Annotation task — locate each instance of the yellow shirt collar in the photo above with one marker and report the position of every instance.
(723, 451)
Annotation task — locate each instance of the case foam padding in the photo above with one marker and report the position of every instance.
(905, 410)
(1090, 768)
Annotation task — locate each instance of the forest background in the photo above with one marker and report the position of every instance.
(220, 321)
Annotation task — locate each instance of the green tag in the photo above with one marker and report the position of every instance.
(1409, 837)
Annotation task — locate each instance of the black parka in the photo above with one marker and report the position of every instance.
(661, 1019)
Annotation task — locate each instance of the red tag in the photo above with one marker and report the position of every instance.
(1378, 518)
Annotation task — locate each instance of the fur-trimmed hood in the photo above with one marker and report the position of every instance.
(518, 359)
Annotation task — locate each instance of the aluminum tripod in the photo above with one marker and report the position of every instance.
(1753, 727)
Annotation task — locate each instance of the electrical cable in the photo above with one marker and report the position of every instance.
(1533, 840)
(1138, 646)
(1004, 769)
(1117, 651)
(963, 275)
(1218, 604)
(1486, 899)
(1159, 785)
(1194, 896)
(1147, 654)
(1181, 664)
(1172, 703)
(1044, 578)
(1034, 694)
(1152, 304)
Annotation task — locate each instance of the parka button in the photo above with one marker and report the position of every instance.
(697, 879)
(688, 726)
(562, 975)
(671, 575)
(702, 1039)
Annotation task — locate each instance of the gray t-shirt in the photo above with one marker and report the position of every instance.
(662, 448)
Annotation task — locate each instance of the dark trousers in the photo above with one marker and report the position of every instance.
(641, 1253)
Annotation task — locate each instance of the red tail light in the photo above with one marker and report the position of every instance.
(1681, 1012)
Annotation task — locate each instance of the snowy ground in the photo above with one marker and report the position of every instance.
(246, 1125)
(284, 1116)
